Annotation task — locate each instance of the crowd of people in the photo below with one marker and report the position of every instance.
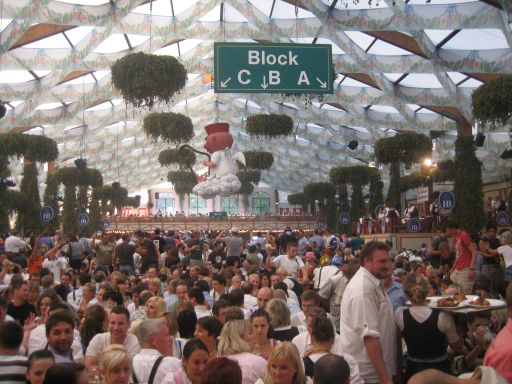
(290, 308)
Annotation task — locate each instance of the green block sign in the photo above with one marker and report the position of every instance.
(273, 68)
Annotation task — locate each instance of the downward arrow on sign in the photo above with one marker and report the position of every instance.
(264, 85)
(322, 84)
(224, 84)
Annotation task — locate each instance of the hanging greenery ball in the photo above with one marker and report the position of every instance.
(492, 101)
(183, 181)
(132, 201)
(145, 79)
(170, 127)
(269, 125)
(297, 199)
(70, 176)
(177, 156)
(405, 147)
(355, 175)
(258, 159)
(249, 176)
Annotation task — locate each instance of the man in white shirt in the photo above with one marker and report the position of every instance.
(367, 322)
(196, 297)
(60, 336)
(54, 263)
(154, 360)
(310, 299)
(14, 367)
(118, 325)
(14, 245)
(290, 262)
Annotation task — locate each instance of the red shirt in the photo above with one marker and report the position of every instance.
(499, 354)
(35, 265)
(461, 243)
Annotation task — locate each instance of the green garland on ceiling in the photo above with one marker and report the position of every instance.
(146, 79)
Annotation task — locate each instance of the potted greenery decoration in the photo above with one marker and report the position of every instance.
(269, 125)
(492, 102)
(145, 79)
(404, 148)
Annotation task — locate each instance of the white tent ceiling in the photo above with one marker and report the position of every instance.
(401, 64)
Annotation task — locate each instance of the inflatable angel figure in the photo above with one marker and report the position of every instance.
(222, 179)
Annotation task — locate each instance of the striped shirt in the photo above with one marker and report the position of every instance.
(13, 369)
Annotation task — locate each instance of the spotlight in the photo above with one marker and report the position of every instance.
(352, 144)
(5, 182)
(81, 163)
(2, 110)
(479, 139)
(507, 154)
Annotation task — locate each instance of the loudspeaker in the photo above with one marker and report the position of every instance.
(479, 139)
(81, 163)
(352, 144)
(2, 111)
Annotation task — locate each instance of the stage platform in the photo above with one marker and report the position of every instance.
(200, 223)
(402, 240)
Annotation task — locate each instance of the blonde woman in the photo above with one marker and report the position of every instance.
(284, 366)
(426, 332)
(155, 307)
(235, 343)
(115, 365)
(155, 286)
